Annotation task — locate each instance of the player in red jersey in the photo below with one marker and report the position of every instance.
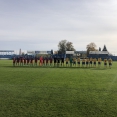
(41, 61)
(20, 61)
(50, 61)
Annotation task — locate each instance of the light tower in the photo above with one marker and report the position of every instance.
(20, 52)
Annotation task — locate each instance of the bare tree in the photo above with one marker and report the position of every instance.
(69, 46)
(64, 46)
(91, 47)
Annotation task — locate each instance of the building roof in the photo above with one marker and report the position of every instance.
(98, 52)
(81, 52)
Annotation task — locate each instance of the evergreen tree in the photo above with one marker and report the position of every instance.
(104, 49)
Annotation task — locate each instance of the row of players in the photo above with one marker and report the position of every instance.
(60, 61)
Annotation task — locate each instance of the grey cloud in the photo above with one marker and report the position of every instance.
(49, 21)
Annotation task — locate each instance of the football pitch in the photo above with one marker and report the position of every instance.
(57, 92)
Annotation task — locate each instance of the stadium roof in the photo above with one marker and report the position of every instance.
(6, 50)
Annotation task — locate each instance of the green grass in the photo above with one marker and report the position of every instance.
(57, 92)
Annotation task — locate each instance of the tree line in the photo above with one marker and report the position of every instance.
(65, 45)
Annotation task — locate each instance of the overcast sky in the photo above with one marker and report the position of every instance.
(41, 24)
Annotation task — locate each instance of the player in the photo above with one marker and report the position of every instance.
(94, 62)
(31, 61)
(91, 60)
(74, 62)
(36, 60)
(21, 61)
(67, 60)
(41, 61)
(50, 61)
(105, 63)
(24, 61)
(58, 62)
(78, 60)
(46, 60)
(28, 60)
(55, 61)
(62, 61)
(18, 61)
(110, 62)
(99, 62)
(83, 62)
(87, 62)
(14, 61)
(71, 60)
